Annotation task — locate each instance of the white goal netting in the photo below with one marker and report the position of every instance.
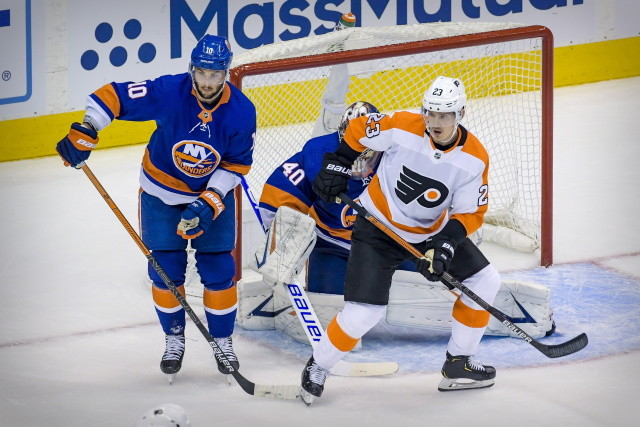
(500, 64)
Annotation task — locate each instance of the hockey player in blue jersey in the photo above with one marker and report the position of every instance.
(203, 142)
(290, 185)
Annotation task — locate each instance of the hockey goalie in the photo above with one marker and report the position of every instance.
(413, 302)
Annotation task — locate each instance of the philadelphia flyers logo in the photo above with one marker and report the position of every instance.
(195, 158)
(427, 191)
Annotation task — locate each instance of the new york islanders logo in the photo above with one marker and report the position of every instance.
(195, 158)
(348, 216)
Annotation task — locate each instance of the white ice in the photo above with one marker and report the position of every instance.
(80, 343)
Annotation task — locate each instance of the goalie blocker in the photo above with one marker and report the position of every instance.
(413, 302)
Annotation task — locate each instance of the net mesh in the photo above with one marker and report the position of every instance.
(504, 108)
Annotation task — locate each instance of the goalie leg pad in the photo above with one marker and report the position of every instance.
(527, 305)
(416, 302)
(282, 253)
(256, 310)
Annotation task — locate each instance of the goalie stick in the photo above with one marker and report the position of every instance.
(551, 351)
(288, 392)
(310, 322)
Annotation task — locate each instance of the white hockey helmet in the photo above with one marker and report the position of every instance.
(445, 95)
(165, 415)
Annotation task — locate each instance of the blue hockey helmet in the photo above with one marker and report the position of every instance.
(212, 53)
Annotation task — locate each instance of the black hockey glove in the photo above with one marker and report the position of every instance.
(333, 177)
(437, 259)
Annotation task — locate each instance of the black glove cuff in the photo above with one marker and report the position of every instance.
(454, 231)
(347, 153)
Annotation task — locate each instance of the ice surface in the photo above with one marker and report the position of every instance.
(80, 344)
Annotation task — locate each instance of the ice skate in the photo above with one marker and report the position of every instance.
(226, 345)
(465, 372)
(313, 378)
(172, 358)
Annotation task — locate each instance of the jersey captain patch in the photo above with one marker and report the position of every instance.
(195, 158)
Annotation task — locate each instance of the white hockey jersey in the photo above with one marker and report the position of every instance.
(418, 188)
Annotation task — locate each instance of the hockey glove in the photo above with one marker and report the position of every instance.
(437, 259)
(198, 216)
(77, 145)
(333, 177)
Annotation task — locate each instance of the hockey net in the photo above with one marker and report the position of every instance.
(507, 72)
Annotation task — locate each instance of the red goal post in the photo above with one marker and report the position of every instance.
(507, 70)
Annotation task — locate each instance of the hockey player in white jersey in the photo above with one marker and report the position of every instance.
(432, 189)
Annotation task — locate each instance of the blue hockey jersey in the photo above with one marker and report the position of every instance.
(290, 185)
(191, 141)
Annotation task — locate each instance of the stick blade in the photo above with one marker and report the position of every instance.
(364, 369)
(284, 392)
(565, 348)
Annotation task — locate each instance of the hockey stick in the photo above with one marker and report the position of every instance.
(288, 392)
(310, 322)
(552, 351)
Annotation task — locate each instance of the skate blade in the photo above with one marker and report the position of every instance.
(307, 397)
(455, 384)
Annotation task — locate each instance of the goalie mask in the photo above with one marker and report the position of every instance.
(367, 161)
(209, 66)
(168, 414)
(445, 95)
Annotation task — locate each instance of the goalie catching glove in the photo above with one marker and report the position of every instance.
(283, 252)
(198, 216)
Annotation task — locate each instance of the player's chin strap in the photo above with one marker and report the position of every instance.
(309, 320)
(552, 351)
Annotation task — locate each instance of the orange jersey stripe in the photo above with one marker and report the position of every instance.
(341, 232)
(162, 177)
(361, 127)
(411, 122)
(234, 167)
(220, 300)
(474, 221)
(274, 196)
(164, 297)
(380, 202)
(468, 316)
(339, 338)
(107, 94)
(355, 131)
